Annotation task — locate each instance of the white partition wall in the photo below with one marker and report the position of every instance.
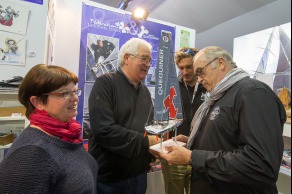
(35, 38)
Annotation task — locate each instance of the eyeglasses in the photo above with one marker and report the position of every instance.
(66, 95)
(144, 59)
(189, 51)
(200, 70)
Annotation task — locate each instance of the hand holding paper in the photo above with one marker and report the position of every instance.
(161, 147)
(176, 155)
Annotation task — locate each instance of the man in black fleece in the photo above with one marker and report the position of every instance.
(119, 108)
(236, 142)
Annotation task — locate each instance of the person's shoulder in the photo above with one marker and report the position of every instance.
(108, 78)
(248, 85)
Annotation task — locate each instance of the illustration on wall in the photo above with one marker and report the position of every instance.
(102, 55)
(12, 49)
(185, 38)
(13, 17)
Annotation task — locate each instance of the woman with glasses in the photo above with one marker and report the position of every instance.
(48, 156)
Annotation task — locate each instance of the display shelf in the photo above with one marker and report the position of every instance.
(8, 92)
(22, 118)
(11, 112)
(284, 178)
(5, 146)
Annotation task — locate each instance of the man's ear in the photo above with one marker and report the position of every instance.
(36, 102)
(126, 58)
(222, 64)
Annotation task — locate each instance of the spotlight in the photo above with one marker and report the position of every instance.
(140, 14)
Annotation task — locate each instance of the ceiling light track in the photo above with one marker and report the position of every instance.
(123, 4)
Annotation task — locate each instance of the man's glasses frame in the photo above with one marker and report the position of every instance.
(200, 70)
(66, 95)
(144, 59)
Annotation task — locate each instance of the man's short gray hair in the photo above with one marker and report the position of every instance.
(131, 47)
(213, 52)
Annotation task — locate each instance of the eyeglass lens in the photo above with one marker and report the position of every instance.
(144, 59)
(70, 93)
(200, 70)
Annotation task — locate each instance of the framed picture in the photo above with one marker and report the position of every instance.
(13, 17)
(12, 49)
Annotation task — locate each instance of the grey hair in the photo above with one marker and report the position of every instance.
(213, 52)
(131, 47)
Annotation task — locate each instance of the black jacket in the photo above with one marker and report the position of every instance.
(118, 114)
(239, 145)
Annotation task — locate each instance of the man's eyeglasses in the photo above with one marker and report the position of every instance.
(66, 95)
(144, 59)
(189, 51)
(200, 70)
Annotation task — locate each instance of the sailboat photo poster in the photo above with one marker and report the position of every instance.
(266, 55)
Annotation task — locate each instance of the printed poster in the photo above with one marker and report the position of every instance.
(266, 55)
(36, 1)
(13, 17)
(185, 38)
(103, 32)
(12, 49)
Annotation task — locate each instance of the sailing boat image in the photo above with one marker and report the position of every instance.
(266, 55)
(167, 103)
(277, 54)
(102, 55)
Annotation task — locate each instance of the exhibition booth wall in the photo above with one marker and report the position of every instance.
(63, 32)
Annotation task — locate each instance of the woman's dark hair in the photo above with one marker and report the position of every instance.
(43, 79)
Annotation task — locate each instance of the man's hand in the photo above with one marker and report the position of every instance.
(154, 153)
(153, 139)
(181, 138)
(176, 155)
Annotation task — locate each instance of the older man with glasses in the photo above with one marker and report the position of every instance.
(119, 109)
(236, 142)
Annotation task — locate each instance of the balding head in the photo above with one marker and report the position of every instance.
(211, 64)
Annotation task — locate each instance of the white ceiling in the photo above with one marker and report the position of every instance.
(200, 15)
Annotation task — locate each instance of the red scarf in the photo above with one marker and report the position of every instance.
(66, 131)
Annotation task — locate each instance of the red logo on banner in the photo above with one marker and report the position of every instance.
(168, 103)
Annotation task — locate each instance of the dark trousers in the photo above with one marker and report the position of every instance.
(134, 185)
